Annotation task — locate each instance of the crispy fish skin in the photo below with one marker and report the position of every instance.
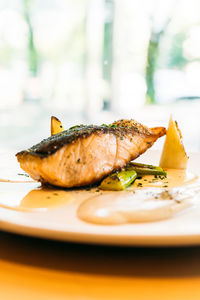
(83, 155)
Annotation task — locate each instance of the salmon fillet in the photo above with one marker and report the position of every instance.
(83, 155)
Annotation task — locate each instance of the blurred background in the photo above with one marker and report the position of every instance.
(95, 61)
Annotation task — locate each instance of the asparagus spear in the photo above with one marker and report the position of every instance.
(118, 181)
(144, 169)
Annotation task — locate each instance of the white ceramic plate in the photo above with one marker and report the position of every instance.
(59, 221)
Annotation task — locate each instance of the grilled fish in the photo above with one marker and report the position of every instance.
(83, 154)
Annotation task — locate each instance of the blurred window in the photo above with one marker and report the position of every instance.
(82, 57)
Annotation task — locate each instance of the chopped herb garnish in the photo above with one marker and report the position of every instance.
(121, 138)
(139, 184)
(78, 161)
(23, 174)
(77, 127)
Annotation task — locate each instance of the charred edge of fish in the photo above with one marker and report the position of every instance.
(52, 144)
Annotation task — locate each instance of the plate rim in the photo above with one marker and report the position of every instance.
(102, 239)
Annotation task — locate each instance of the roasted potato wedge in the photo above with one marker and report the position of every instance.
(173, 154)
(56, 125)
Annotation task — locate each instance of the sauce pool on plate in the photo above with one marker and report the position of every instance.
(148, 199)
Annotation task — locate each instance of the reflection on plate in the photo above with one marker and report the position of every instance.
(51, 213)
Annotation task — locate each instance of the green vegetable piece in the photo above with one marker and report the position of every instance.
(118, 181)
(144, 169)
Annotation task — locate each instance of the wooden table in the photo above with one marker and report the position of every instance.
(40, 269)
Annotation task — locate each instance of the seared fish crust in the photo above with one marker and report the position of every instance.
(83, 154)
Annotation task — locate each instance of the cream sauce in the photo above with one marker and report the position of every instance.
(148, 199)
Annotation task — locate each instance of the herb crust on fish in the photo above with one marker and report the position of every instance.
(85, 154)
